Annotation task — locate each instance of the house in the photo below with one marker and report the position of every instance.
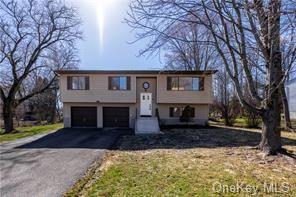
(134, 98)
(291, 96)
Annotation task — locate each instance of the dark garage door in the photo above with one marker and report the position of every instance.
(84, 116)
(115, 116)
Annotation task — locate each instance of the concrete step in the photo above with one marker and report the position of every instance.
(147, 125)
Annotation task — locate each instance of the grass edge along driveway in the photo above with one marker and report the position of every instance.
(28, 131)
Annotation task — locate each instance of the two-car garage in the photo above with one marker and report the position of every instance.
(111, 116)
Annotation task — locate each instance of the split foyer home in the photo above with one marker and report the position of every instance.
(138, 99)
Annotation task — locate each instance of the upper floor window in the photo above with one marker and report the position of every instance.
(185, 83)
(78, 82)
(119, 83)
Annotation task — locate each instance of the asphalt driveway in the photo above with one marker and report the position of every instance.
(48, 165)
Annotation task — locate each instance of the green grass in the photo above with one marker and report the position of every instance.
(239, 122)
(160, 173)
(28, 131)
(185, 171)
(242, 122)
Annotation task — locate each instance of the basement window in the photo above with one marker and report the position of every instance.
(176, 112)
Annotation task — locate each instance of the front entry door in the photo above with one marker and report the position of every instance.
(146, 104)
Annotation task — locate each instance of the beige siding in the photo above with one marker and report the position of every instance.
(201, 113)
(99, 92)
(198, 97)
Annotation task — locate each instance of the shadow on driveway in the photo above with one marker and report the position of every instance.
(79, 138)
(51, 164)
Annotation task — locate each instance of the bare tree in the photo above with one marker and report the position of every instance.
(238, 29)
(225, 99)
(187, 54)
(31, 31)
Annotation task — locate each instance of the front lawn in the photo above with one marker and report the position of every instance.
(192, 162)
(242, 122)
(238, 122)
(28, 131)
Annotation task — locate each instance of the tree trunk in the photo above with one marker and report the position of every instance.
(226, 117)
(8, 117)
(285, 105)
(271, 134)
(53, 107)
(52, 116)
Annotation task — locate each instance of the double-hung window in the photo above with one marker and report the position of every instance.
(119, 83)
(185, 83)
(78, 82)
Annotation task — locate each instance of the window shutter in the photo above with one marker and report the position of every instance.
(201, 83)
(109, 83)
(171, 112)
(169, 83)
(87, 82)
(69, 83)
(128, 81)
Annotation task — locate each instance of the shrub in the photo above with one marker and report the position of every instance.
(186, 114)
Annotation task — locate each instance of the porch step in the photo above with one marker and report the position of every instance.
(147, 125)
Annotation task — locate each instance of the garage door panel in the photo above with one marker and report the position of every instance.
(115, 116)
(116, 124)
(84, 116)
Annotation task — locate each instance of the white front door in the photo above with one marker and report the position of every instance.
(146, 104)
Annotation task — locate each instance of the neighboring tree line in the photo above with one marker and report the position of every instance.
(36, 38)
(41, 108)
(251, 43)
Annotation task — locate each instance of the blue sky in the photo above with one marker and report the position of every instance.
(106, 37)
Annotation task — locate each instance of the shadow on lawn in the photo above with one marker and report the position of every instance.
(209, 137)
(204, 137)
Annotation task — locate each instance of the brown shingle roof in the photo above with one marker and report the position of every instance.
(197, 72)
